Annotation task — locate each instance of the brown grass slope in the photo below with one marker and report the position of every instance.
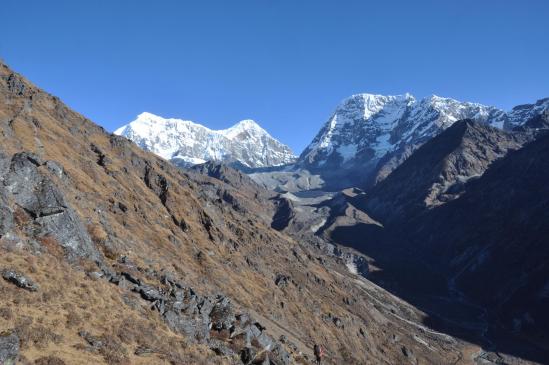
(215, 238)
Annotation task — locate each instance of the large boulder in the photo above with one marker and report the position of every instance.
(37, 194)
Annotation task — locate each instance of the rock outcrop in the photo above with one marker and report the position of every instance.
(9, 348)
(91, 198)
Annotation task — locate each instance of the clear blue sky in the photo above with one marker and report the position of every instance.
(284, 63)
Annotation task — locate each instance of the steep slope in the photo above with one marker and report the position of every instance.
(136, 261)
(493, 241)
(526, 112)
(439, 170)
(467, 209)
(369, 135)
(186, 143)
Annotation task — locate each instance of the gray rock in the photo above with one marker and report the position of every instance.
(95, 342)
(16, 85)
(6, 215)
(222, 314)
(149, 293)
(19, 279)
(221, 348)
(282, 280)
(95, 275)
(207, 320)
(55, 169)
(278, 355)
(38, 195)
(9, 348)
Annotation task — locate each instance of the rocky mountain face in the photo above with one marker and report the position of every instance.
(244, 145)
(370, 135)
(112, 255)
(467, 207)
(493, 241)
(438, 171)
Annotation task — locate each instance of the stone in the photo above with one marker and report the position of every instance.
(95, 342)
(247, 355)
(149, 293)
(279, 356)
(220, 348)
(38, 195)
(6, 215)
(19, 279)
(55, 168)
(95, 275)
(282, 280)
(9, 348)
(222, 315)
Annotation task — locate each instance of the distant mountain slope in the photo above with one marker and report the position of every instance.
(111, 255)
(370, 135)
(438, 171)
(469, 207)
(493, 241)
(187, 143)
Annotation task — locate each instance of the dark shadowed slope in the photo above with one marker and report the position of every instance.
(438, 171)
(136, 261)
(468, 210)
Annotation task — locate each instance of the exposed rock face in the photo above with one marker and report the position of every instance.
(494, 241)
(244, 145)
(468, 207)
(439, 170)
(370, 135)
(27, 183)
(130, 203)
(9, 348)
(207, 320)
(522, 114)
(232, 177)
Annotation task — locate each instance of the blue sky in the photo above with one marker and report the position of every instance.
(284, 63)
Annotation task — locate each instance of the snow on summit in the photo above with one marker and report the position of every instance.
(366, 127)
(190, 143)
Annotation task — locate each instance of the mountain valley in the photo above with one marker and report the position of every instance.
(406, 232)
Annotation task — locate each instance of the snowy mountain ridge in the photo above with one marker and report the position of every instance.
(366, 127)
(189, 143)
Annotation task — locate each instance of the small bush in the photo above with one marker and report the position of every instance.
(97, 234)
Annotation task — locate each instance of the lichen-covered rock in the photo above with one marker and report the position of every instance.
(9, 348)
(37, 194)
(6, 215)
(222, 315)
(19, 279)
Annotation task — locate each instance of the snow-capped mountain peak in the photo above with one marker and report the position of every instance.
(189, 143)
(366, 127)
(246, 126)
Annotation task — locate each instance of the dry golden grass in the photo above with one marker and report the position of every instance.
(239, 255)
(48, 321)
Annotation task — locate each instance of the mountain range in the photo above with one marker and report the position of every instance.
(361, 143)
(112, 255)
(186, 143)
(406, 232)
